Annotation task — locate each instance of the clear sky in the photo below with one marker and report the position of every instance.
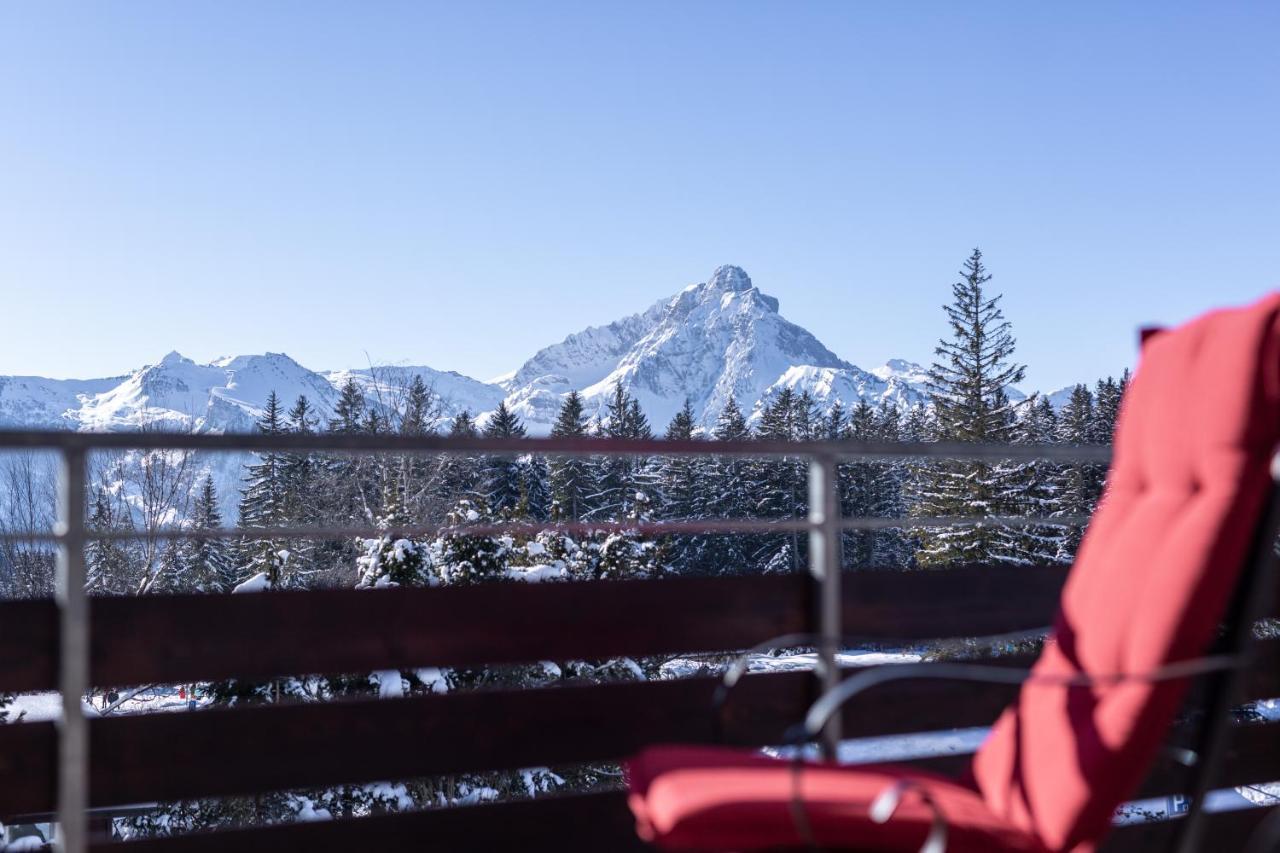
(457, 185)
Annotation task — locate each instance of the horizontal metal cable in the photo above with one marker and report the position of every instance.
(868, 451)
(646, 528)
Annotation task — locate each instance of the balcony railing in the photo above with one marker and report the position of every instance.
(71, 643)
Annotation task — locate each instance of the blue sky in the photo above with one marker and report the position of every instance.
(458, 185)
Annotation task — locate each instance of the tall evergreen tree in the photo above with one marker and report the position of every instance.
(109, 566)
(729, 495)
(300, 475)
(419, 408)
(413, 479)
(535, 488)
(619, 478)
(458, 474)
(349, 411)
(891, 547)
(502, 478)
(1106, 407)
(352, 491)
(263, 501)
(571, 481)
(1079, 483)
(967, 385)
(857, 487)
(683, 494)
(780, 483)
(1032, 490)
(210, 566)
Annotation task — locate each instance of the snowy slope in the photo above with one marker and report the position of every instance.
(226, 395)
(456, 392)
(33, 401)
(827, 385)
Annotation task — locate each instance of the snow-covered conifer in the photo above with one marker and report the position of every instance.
(570, 476)
(502, 474)
(967, 387)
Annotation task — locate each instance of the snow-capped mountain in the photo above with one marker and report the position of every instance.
(225, 395)
(33, 401)
(715, 340)
(711, 341)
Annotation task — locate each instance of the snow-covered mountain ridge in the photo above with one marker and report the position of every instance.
(714, 340)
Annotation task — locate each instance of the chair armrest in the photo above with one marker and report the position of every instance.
(742, 662)
(822, 710)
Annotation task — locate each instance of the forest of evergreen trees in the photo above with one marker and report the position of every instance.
(969, 402)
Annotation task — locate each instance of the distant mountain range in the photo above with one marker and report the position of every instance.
(711, 341)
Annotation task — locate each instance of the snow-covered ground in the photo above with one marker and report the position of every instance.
(683, 667)
(34, 707)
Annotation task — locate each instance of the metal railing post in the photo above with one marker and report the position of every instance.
(824, 566)
(73, 669)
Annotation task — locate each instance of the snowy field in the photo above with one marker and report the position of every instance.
(34, 707)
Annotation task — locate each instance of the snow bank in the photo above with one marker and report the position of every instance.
(261, 582)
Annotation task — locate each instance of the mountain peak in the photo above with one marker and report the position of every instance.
(727, 284)
(172, 358)
(730, 278)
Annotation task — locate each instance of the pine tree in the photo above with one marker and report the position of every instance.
(458, 474)
(263, 503)
(209, 563)
(891, 547)
(300, 474)
(414, 482)
(349, 411)
(535, 488)
(780, 483)
(419, 406)
(857, 487)
(1079, 483)
(109, 566)
(612, 472)
(1102, 427)
(1106, 408)
(570, 476)
(967, 386)
(502, 477)
(729, 495)
(352, 489)
(1032, 490)
(682, 479)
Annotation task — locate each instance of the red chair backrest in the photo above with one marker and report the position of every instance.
(1152, 579)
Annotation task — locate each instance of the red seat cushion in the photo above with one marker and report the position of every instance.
(709, 798)
(1163, 553)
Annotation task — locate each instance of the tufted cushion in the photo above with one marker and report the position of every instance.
(1152, 579)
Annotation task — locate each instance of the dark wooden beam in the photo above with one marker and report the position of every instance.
(179, 638)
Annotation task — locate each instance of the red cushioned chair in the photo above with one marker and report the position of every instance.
(1181, 541)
